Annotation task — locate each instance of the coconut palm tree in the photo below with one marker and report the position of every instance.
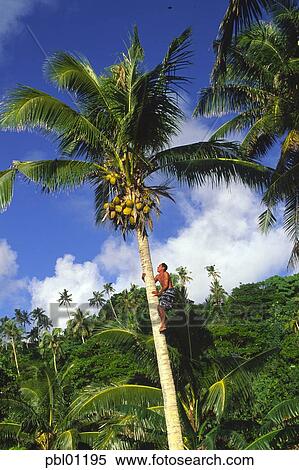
(115, 138)
(109, 289)
(218, 294)
(183, 274)
(12, 334)
(53, 342)
(38, 416)
(43, 322)
(81, 324)
(97, 300)
(240, 14)
(22, 317)
(260, 87)
(65, 300)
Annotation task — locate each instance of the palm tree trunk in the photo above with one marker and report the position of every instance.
(174, 432)
(15, 356)
(54, 362)
(112, 308)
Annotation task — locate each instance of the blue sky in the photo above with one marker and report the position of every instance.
(37, 229)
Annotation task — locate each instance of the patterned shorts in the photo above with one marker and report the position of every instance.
(167, 298)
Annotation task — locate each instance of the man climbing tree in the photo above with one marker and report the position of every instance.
(166, 294)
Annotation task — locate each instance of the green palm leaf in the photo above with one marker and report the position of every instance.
(212, 161)
(239, 15)
(105, 401)
(263, 442)
(67, 440)
(285, 411)
(238, 380)
(54, 175)
(7, 178)
(9, 430)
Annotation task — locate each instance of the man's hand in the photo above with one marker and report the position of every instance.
(143, 277)
(156, 293)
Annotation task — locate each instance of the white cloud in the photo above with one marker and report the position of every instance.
(194, 130)
(81, 279)
(220, 228)
(10, 287)
(8, 260)
(13, 12)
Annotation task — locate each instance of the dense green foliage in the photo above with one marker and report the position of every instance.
(246, 345)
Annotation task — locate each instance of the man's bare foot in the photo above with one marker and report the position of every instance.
(163, 328)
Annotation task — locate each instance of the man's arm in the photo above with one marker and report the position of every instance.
(156, 278)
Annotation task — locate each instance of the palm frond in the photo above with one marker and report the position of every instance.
(239, 123)
(263, 442)
(261, 136)
(88, 437)
(291, 225)
(106, 401)
(212, 161)
(238, 381)
(266, 220)
(133, 430)
(10, 431)
(55, 175)
(239, 15)
(283, 413)
(26, 108)
(76, 75)
(7, 178)
(67, 440)
(177, 58)
(219, 100)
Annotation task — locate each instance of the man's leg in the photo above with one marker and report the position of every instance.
(163, 317)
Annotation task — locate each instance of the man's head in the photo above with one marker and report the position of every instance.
(162, 267)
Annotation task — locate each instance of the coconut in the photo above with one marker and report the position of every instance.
(146, 209)
(139, 206)
(106, 205)
(129, 203)
(112, 180)
(132, 220)
(116, 200)
(118, 208)
(127, 210)
(112, 214)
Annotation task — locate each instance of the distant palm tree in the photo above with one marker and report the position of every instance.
(97, 300)
(65, 300)
(109, 289)
(183, 274)
(53, 342)
(81, 324)
(12, 334)
(33, 335)
(260, 85)
(218, 295)
(42, 320)
(22, 317)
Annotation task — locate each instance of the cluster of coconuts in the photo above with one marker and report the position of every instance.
(126, 210)
(112, 178)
